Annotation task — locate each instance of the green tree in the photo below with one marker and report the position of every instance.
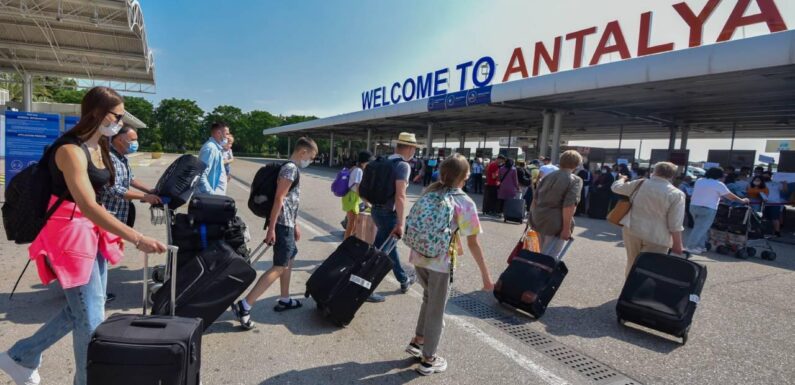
(180, 122)
(281, 141)
(251, 137)
(66, 95)
(144, 110)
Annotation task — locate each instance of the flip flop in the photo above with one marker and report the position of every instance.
(282, 306)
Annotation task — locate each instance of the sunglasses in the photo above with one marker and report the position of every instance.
(118, 117)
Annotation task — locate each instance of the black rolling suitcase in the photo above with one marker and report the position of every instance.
(207, 284)
(130, 349)
(662, 293)
(531, 280)
(347, 277)
(212, 209)
(180, 179)
(513, 210)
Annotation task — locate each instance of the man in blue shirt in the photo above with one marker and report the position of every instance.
(213, 180)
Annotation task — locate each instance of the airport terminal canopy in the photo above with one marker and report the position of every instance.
(707, 89)
(96, 40)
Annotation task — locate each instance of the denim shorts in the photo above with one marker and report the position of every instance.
(284, 250)
(774, 213)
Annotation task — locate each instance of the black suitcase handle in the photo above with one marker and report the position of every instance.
(172, 259)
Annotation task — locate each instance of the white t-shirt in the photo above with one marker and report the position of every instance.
(355, 177)
(707, 193)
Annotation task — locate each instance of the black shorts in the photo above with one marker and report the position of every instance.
(284, 250)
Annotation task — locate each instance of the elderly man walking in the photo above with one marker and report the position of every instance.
(654, 223)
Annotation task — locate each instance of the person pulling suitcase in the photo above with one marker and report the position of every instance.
(433, 229)
(283, 233)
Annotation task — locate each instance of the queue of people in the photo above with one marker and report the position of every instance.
(90, 161)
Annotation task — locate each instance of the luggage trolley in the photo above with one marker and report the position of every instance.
(741, 231)
(161, 215)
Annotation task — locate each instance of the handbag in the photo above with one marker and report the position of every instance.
(528, 241)
(622, 207)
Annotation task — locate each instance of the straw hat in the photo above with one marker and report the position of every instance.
(408, 139)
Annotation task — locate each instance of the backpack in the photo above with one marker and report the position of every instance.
(263, 190)
(340, 185)
(428, 224)
(378, 181)
(27, 196)
(524, 176)
(180, 180)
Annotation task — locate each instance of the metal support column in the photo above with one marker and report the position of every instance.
(510, 136)
(350, 156)
(731, 148)
(369, 139)
(672, 138)
(683, 142)
(555, 153)
(620, 138)
(331, 151)
(27, 90)
(288, 147)
(543, 142)
(429, 141)
(463, 142)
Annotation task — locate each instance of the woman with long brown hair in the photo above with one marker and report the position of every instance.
(79, 238)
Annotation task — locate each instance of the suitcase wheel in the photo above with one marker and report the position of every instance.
(741, 254)
(768, 255)
(685, 335)
(620, 321)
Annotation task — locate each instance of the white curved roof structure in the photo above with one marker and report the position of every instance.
(95, 40)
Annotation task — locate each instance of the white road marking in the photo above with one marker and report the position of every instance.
(519, 358)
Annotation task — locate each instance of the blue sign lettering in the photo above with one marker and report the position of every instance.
(27, 135)
(489, 63)
(409, 96)
(395, 100)
(463, 69)
(440, 78)
(424, 88)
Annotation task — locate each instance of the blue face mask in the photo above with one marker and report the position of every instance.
(132, 147)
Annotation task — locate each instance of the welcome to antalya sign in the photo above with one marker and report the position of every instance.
(460, 85)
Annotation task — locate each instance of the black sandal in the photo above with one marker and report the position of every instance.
(282, 306)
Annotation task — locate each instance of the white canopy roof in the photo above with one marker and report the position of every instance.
(97, 40)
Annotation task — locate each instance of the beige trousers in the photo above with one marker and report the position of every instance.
(635, 246)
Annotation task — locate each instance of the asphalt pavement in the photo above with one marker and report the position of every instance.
(742, 334)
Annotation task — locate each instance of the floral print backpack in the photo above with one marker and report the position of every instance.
(428, 229)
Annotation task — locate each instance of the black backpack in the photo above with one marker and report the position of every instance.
(263, 190)
(180, 180)
(27, 197)
(524, 176)
(378, 182)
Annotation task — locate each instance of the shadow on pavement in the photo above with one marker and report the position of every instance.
(376, 373)
(304, 321)
(36, 307)
(599, 322)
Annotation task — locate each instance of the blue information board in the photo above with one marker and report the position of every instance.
(69, 122)
(460, 99)
(27, 134)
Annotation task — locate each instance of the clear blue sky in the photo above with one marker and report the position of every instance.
(310, 57)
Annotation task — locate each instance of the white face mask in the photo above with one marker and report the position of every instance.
(305, 163)
(111, 129)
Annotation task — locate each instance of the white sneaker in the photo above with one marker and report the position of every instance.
(438, 365)
(20, 374)
(697, 251)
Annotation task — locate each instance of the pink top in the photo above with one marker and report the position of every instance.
(67, 245)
